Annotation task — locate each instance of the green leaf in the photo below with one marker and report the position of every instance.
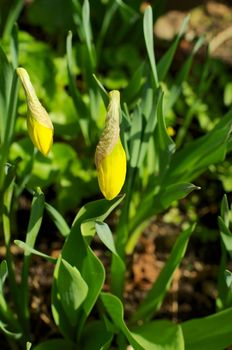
(228, 276)
(165, 62)
(118, 267)
(6, 75)
(226, 235)
(14, 46)
(34, 224)
(55, 344)
(35, 220)
(213, 332)
(114, 308)
(149, 108)
(174, 192)
(224, 297)
(134, 85)
(155, 203)
(94, 274)
(72, 290)
(105, 235)
(77, 253)
(13, 15)
(95, 336)
(91, 271)
(86, 24)
(143, 123)
(165, 145)
(106, 22)
(3, 274)
(228, 94)
(149, 37)
(4, 329)
(12, 110)
(156, 294)
(58, 220)
(128, 12)
(103, 91)
(160, 335)
(96, 210)
(225, 212)
(76, 96)
(195, 158)
(8, 109)
(31, 250)
(135, 136)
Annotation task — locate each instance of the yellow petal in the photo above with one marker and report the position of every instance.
(41, 136)
(112, 172)
(110, 157)
(39, 124)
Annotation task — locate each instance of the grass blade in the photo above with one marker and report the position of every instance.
(149, 41)
(58, 220)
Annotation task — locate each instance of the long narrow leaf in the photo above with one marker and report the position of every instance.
(153, 204)
(195, 158)
(134, 85)
(77, 100)
(165, 146)
(149, 40)
(13, 16)
(156, 294)
(58, 220)
(6, 75)
(86, 25)
(35, 221)
(14, 46)
(31, 250)
(103, 91)
(118, 267)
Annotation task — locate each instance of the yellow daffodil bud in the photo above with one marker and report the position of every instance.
(110, 157)
(39, 124)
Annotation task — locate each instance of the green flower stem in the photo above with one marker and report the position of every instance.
(27, 173)
(9, 128)
(122, 232)
(32, 232)
(7, 203)
(117, 282)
